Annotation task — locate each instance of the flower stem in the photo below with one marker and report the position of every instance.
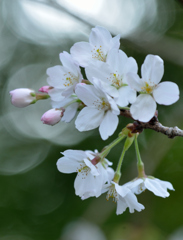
(140, 164)
(111, 145)
(124, 108)
(118, 169)
(73, 101)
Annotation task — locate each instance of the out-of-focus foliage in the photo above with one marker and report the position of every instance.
(37, 202)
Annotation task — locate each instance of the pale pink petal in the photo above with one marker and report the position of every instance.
(152, 69)
(143, 109)
(81, 53)
(89, 118)
(108, 125)
(166, 93)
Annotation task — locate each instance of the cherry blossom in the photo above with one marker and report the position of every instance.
(100, 111)
(52, 116)
(151, 91)
(22, 97)
(64, 78)
(155, 185)
(100, 43)
(68, 104)
(90, 178)
(124, 198)
(113, 74)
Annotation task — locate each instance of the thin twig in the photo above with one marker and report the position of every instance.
(155, 125)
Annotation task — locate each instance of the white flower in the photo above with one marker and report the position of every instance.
(90, 178)
(100, 43)
(100, 111)
(69, 105)
(52, 116)
(113, 74)
(124, 198)
(158, 187)
(64, 78)
(22, 97)
(165, 93)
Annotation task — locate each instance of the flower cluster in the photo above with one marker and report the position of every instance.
(112, 84)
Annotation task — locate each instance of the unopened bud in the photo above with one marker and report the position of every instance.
(22, 97)
(45, 89)
(52, 116)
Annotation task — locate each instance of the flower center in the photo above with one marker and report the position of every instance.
(112, 193)
(147, 88)
(83, 169)
(102, 105)
(70, 79)
(98, 54)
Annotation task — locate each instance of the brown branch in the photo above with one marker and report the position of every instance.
(153, 124)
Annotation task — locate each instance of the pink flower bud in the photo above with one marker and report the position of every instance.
(45, 89)
(22, 97)
(52, 116)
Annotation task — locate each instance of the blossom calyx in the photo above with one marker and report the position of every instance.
(22, 97)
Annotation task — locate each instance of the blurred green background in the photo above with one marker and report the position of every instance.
(36, 201)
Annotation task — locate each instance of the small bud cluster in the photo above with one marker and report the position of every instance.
(112, 85)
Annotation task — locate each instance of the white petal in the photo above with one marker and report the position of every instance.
(68, 63)
(134, 81)
(56, 94)
(93, 169)
(88, 94)
(143, 109)
(100, 37)
(152, 69)
(126, 96)
(130, 66)
(121, 206)
(70, 112)
(81, 53)
(100, 71)
(133, 204)
(76, 155)
(88, 185)
(56, 74)
(67, 165)
(155, 187)
(88, 118)
(166, 93)
(108, 125)
(115, 42)
(117, 60)
(165, 184)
